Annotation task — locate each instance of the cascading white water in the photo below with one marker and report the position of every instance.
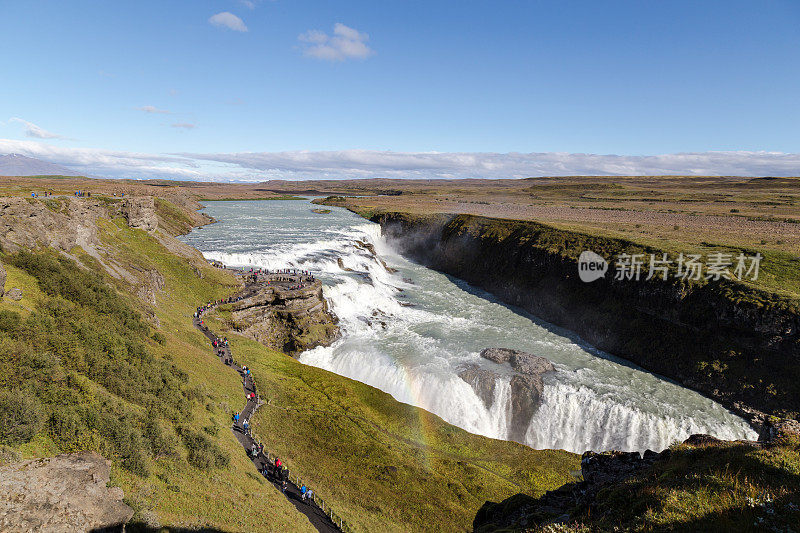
(409, 333)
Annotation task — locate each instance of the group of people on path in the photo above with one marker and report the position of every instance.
(77, 194)
(203, 308)
(275, 470)
(283, 275)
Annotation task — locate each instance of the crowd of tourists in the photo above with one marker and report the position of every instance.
(203, 308)
(283, 275)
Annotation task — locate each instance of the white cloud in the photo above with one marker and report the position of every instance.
(154, 109)
(249, 4)
(228, 20)
(32, 130)
(108, 163)
(369, 163)
(345, 43)
(260, 166)
(184, 125)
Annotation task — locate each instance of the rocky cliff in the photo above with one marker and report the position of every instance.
(140, 212)
(70, 226)
(61, 223)
(63, 493)
(730, 342)
(286, 319)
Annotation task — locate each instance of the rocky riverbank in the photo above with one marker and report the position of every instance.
(735, 344)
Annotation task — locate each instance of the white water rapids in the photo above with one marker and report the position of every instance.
(409, 333)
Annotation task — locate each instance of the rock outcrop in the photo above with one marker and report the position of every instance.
(64, 493)
(522, 362)
(60, 223)
(482, 380)
(526, 385)
(140, 212)
(14, 293)
(778, 430)
(151, 283)
(288, 320)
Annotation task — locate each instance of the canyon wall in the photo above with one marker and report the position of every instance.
(733, 343)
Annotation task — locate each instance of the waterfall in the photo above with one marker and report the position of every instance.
(410, 332)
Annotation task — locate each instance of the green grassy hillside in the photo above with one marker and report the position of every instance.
(724, 487)
(89, 361)
(80, 368)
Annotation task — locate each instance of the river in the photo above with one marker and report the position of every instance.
(409, 332)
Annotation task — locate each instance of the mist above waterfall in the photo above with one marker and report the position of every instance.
(409, 332)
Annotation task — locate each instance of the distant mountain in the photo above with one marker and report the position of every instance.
(20, 165)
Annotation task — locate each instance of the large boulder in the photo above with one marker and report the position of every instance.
(63, 493)
(140, 212)
(526, 384)
(483, 382)
(522, 362)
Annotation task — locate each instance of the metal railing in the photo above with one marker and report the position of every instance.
(337, 520)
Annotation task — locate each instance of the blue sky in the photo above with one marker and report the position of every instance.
(290, 88)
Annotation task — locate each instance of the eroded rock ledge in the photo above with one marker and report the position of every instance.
(140, 212)
(64, 493)
(286, 319)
